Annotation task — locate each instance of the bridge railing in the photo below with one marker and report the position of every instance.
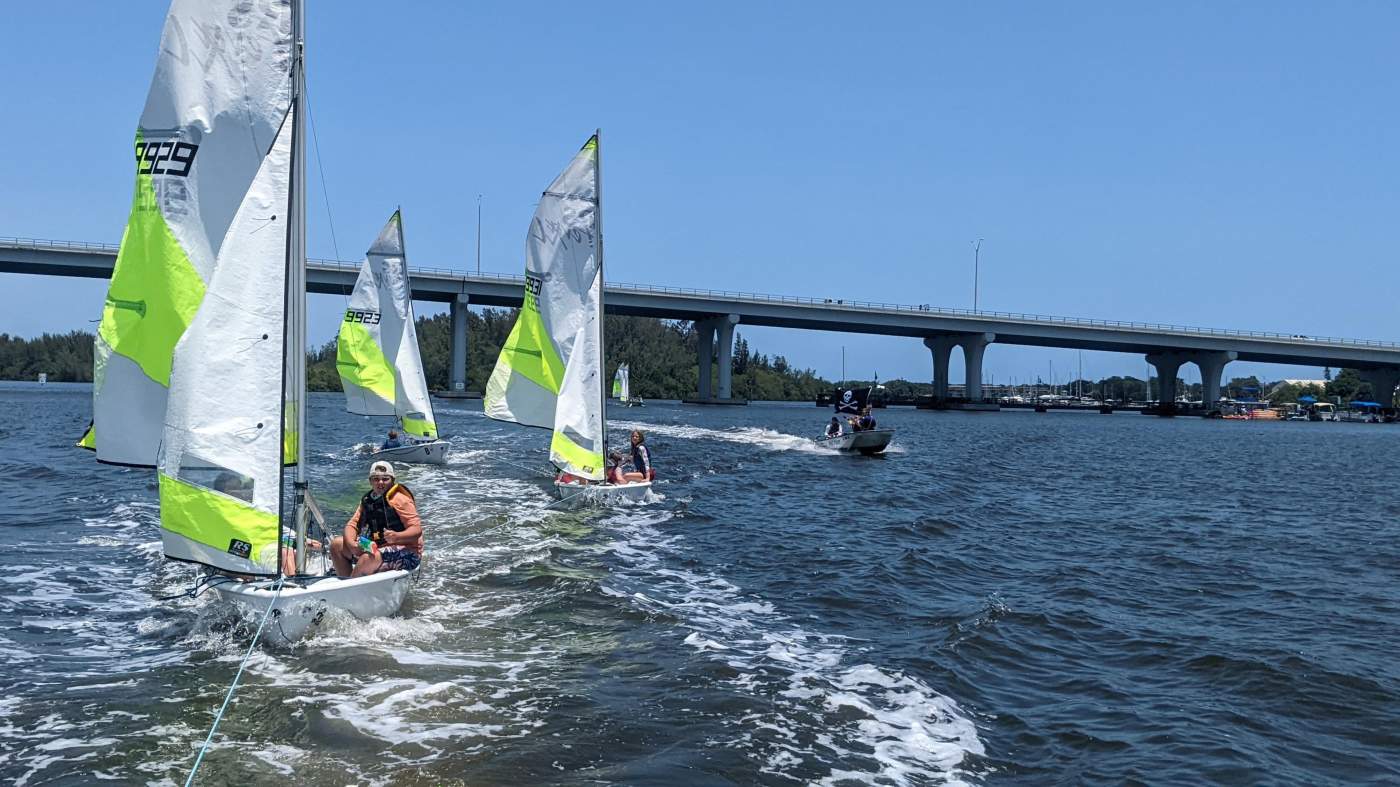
(800, 300)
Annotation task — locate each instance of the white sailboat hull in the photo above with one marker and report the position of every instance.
(871, 441)
(299, 609)
(604, 493)
(429, 453)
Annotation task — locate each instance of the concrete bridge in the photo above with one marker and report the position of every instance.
(716, 312)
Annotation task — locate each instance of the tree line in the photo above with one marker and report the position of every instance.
(661, 354)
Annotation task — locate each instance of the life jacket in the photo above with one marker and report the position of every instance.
(376, 515)
(641, 458)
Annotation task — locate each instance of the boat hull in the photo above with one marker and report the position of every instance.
(429, 453)
(869, 442)
(604, 493)
(300, 608)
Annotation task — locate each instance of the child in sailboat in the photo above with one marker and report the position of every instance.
(393, 441)
(388, 518)
(641, 459)
(614, 474)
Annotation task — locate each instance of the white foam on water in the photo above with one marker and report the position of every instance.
(822, 706)
(756, 436)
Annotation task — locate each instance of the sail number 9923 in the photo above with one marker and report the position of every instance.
(366, 317)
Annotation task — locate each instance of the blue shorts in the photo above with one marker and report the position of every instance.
(398, 558)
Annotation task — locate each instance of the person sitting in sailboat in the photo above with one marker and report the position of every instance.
(641, 459)
(833, 429)
(393, 441)
(388, 519)
(613, 474)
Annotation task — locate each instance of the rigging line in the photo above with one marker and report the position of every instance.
(218, 717)
(325, 195)
(534, 470)
(326, 199)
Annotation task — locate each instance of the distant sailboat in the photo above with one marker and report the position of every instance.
(622, 387)
(550, 372)
(202, 346)
(43, 378)
(377, 352)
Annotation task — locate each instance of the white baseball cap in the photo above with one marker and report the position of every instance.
(381, 468)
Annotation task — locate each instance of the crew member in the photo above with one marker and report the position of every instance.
(388, 517)
(641, 459)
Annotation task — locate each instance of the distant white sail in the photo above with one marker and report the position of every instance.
(377, 352)
(220, 94)
(549, 372)
(622, 384)
(221, 461)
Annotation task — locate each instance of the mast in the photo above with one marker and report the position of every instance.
(598, 228)
(296, 231)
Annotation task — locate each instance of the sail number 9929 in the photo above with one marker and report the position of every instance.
(165, 158)
(366, 317)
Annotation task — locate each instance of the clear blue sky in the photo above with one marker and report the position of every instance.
(1226, 165)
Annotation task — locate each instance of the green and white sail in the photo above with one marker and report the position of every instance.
(377, 352)
(550, 371)
(220, 93)
(221, 460)
(622, 387)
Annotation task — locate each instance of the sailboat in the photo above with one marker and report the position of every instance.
(850, 402)
(622, 387)
(201, 366)
(550, 372)
(377, 352)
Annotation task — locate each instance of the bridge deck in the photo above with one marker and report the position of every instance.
(95, 260)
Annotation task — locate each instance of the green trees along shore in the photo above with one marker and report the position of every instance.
(662, 354)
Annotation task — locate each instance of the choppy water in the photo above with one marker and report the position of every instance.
(1009, 597)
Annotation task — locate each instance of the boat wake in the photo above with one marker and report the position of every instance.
(767, 439)
(820, 713)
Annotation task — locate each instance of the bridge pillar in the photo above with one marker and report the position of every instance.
(1167, 365)
(458, 381)
(705, 339)
(1212, 365)
(974, 345)
(941, 346)
(1383, 380)
(726, 353)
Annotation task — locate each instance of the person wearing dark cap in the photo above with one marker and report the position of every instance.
(385, 532)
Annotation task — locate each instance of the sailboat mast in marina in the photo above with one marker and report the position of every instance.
(550, 372)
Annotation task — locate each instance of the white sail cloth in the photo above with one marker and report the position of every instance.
(549, 373)
(219, 96)
(221, 461)
(377, 352)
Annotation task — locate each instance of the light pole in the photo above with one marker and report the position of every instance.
(976, 269)
(478, 234)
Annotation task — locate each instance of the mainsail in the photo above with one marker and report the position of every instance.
(225, 425)
(550, 371)
(220, 94)
(622, 387)
(377, 349)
